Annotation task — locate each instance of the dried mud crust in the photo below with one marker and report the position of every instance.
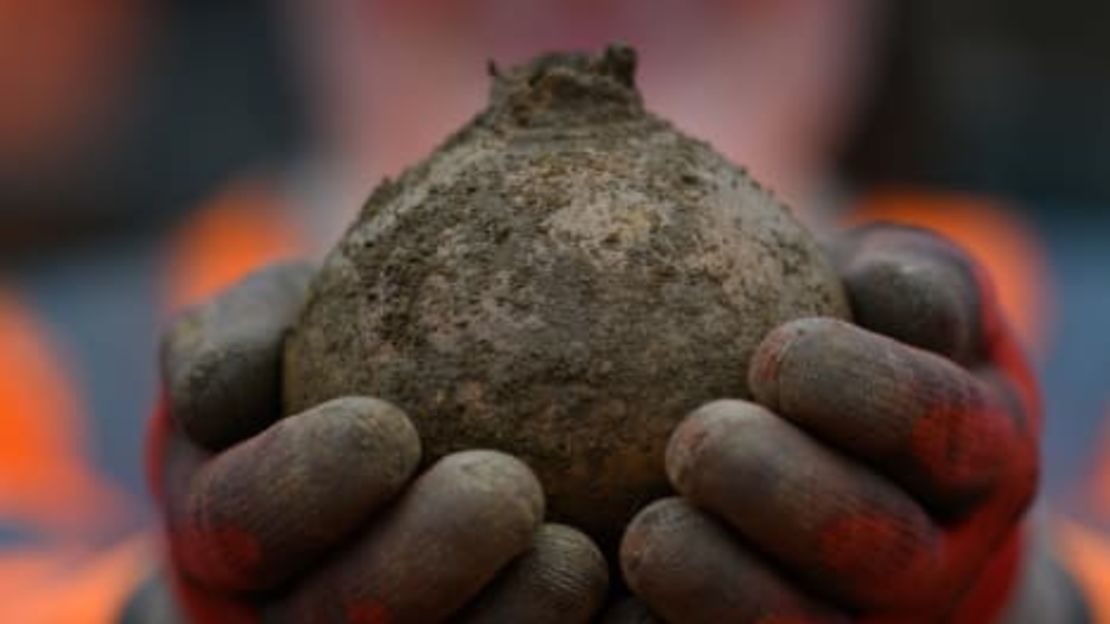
(564, 279)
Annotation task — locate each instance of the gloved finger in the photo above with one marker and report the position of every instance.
(920, 289)
(221, 361)
(561, 578)
(847, 533)
(196, 603)
(688, 568)
(173, 465)
(630, 610)
(447, 537)
(170, 458)
(261, 511)
(914, 286)
(939, 431)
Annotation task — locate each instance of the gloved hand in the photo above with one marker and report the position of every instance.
(321, 516)
(880, 473)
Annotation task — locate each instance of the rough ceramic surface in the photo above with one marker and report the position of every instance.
(563, 279)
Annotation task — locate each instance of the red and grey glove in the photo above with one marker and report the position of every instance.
(324, 515)
(880, 473)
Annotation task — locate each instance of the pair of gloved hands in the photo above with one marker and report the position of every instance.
(880, 472)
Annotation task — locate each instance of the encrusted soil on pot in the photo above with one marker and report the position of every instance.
(564, 279)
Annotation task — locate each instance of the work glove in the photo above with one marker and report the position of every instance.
(328, 515)
(880, 471)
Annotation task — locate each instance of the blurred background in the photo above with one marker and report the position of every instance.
(152, 151)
